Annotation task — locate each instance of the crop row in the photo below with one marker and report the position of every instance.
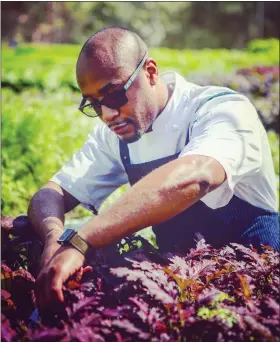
(53, 67)
(207, 294)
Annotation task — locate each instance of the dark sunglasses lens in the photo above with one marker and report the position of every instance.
(115, 100)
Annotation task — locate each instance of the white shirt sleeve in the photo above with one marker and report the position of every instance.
(227, 131)
(95, 171)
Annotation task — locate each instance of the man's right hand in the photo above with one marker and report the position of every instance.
(50, 247)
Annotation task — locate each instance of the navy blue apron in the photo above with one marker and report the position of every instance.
(238, 221)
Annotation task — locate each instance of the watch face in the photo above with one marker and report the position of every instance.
(67, 235)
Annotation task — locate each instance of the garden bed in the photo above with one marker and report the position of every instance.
(227, 294)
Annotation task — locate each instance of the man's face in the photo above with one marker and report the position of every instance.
(133, 119)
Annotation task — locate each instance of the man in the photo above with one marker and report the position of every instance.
(198, 160)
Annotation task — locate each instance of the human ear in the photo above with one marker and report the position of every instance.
(152, 71)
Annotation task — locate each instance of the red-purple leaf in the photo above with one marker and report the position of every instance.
(5, 294)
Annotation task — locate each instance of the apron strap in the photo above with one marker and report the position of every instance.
(188, 136)
(124, 152)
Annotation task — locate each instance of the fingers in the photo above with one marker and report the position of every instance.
(48, 288)
(54, 293)
(82, 271)
(87, 269)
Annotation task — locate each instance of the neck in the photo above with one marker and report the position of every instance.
(164, 95)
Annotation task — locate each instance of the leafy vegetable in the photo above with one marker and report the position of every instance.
(227, 294)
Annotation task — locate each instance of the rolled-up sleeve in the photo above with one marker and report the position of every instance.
(95, 171)
(227, 131)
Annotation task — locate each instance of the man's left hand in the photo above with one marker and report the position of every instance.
(65, 262)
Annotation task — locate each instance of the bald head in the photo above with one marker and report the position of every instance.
(112, 48)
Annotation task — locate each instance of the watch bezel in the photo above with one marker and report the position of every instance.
(66, 236)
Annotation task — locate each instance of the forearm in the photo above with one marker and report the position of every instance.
(46, 213)
(161, 195)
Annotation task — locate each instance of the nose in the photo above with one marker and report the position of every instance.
(109, 114)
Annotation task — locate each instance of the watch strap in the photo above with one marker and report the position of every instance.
(80, 244)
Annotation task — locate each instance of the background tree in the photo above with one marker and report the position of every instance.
(171, 24)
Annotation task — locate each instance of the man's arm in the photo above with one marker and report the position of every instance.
(46, 214)
(159, 196)
(48, 207)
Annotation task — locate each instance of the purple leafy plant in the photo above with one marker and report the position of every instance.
(227, 294)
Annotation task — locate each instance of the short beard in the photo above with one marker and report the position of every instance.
(133, 139)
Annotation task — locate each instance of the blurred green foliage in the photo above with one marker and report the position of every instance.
(52, 67)
(44, 66)
(40, 132)
(270, 46)
(42, 127)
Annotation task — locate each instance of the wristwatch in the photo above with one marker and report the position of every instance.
(71, 236)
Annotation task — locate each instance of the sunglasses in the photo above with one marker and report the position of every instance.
(114, 100)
